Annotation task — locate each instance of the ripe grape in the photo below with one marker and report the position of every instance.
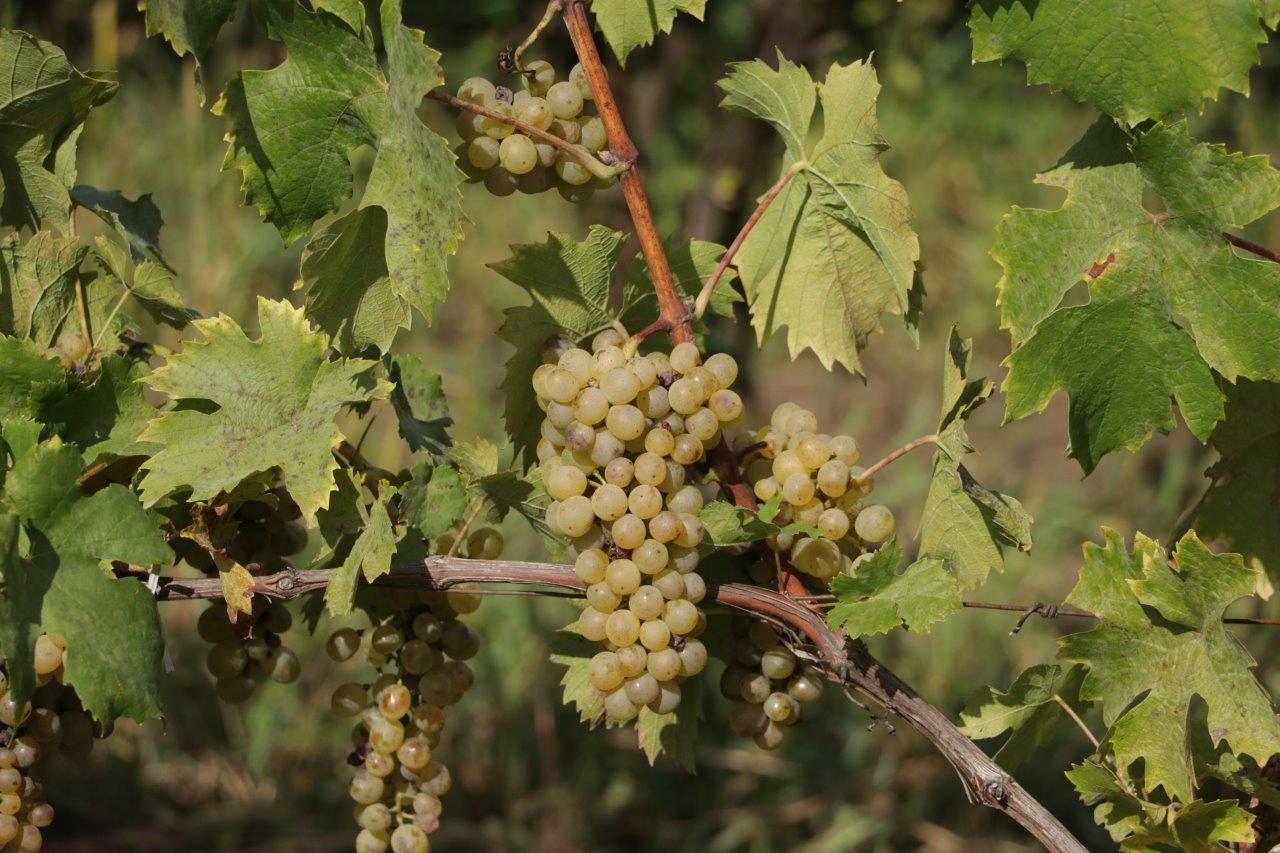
(565, 100)
(538, 77)
(571, 171)
(517, 154)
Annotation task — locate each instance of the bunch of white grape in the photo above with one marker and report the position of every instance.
(820, 483)
(767, 684)
(248, 652)
(52, 719)
(419, 654)
(619, 441)
(506, 160)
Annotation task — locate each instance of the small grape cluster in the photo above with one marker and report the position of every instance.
(821, 484)
(619, 444)
(53, 718)
(419, 653)
(767, 684)
(506, 160)
(246, 653)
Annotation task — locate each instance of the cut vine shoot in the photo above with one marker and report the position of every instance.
(154, 449)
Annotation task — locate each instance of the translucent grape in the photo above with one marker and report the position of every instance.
(693, 658)
(593, 136)
(654, 635)
(644, 502)
(571, 171)
(684, 396)
(517, 154)
(618, 706)
(578, 77)
(564, 99)
(497, 128)
(647, 602)
(874, 524)
(797, 489)
(619, 472)
(650, 556)
(726, 405)
(670, 583)
(620, 385)
(684, 357)
(642, 689)
(476, 90)
(681, 616)
(575, 515)
(625, 422)
(622, 628)
(538, 77)
(777, 663)
(660, 442)
(805, 688)
(591, 623)
(664, 664)
(623, 577)
(536, 112)
(724, 367)
(628, 532)
(609, 502)
(770, 737)
(687, 500)
(365, 788)
(845, 449)
(590, 566)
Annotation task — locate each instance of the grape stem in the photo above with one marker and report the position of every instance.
(1250, 246)
(1080, 724)
(895, 455)
(578, 152)
(844, 661)
(622, 150)
(704, 296)
(547, 17)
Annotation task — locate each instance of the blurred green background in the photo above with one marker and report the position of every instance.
(966, 142)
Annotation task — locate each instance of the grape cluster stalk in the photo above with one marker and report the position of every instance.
(53, 722)
(506, 160)
(620, 450)
(418, 652)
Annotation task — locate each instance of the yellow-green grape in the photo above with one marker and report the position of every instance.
(619, 707)
(654, 636)
(592, 135)
(797, 489)
(48, 654)
(777, 663)
(833, 524)
(874, 525)
(500, 182)
(664, 664)
(498, 128)
(578, 77)
(684, 396)
(485, 544)
(747, 719)
(724, 367)
(766, 488)
(642, 689)
(536, 181)
(695, 588)
(845, 449)
(590, 566)
(665, 527)
(567, 129)
(407, 838)
(622, 628)
(623, 577)
(565, 100)
(604, 671)
(601, 597)
(535, 111)
(592, 621)
(681, 616)
(684, 358)
(477, 90)
(538, 77)
(517, 154)
(575, 193)
(805, 687)
(647, 602)
(571, 172)
(725, 404)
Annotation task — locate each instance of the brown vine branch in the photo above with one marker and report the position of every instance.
(846, 662)
(670, 306)
(579, 153)
(1250, 246)
(895, 455)
(704, 296)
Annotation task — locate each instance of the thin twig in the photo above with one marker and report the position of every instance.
(466, 525)
(82, 302)
(704, 296)
(623, 150)
(1071, 712)
(895, 455)
(578, 152)
(1250, 246)
(553, 6)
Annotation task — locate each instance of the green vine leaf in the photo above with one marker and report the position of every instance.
(294, 128)
(190, 26)
(1169, 300)
(965, 524)
(574, 652)
(419, 403)
(836, 249)
(55, 544)
(276, 399)
(1160, 642)
(629, 24)
(433, 498)
(104, 416)
(369, 557)
(676, 733)
(38, 284)
(1242, 505)
(1133, 59)
(1029, 711)
(29, 378)
(878, 597)
(44, 101)
(568, 283)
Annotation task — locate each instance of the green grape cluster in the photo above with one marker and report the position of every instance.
(820, 484)
(768, 685)
(506, 160)
(248, 652)
(419, 654)
(53, 720)
(621, 442)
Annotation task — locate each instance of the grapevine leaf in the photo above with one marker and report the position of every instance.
(43, 104)
(433, 498)
(569, 284)
(1143, 825)
(1169, 299)
(350, 11)
(628, 24)
(38, 284)
(28, 378)
(692, 264)
(1145, 670)
(294, 128)
(1029, 711)
(190, 26)
(150, 283)
(964, 524)
(726, 524)
(237, 583)
(105, 417)
(1270, 12)
(835, 250)
(674, 733)
(344, 516)
(878, 597)
(1135, 59)
(573, 651)
(138, 221)
(1242, 505)
(276, 397)
(349, 291)
(370, 556)
(54, 581)
(418, 399)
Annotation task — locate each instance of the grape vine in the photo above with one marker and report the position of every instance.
(225, 468)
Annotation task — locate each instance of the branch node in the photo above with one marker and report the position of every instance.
(1046, 611)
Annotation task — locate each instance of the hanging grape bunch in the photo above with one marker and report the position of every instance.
(418, 652)
(619, 442)
(507, 160)
(54, 720)
(246, 653)
(820, 484)
(767, 684)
